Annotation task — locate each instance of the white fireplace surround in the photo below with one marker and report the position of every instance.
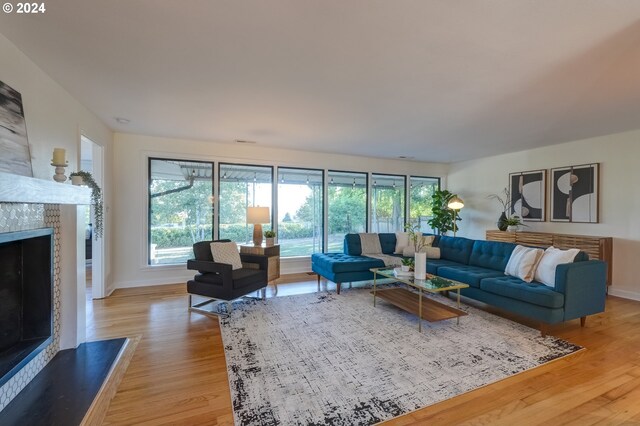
(29, 203)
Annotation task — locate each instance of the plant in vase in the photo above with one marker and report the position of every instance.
(407, 264)
(270, 237)
(513, 223)
(96, 198)
(420, 257)
(505, 202)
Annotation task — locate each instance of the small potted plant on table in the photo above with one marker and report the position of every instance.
(407, 264)
(270, 237)
(513, 223)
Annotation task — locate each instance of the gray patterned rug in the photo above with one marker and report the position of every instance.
(326, 359)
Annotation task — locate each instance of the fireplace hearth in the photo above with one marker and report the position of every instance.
(26, 297)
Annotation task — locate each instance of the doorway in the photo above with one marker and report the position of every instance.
(91, 160)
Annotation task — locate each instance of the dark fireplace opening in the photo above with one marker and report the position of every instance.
(26, 297)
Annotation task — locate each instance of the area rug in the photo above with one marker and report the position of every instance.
(327, 359)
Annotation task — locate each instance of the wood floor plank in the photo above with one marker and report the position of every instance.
(178, 373)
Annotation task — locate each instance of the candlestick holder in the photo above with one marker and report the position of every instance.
(60, 176)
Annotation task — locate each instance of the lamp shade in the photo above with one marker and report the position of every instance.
(455, 203)
(258, 215)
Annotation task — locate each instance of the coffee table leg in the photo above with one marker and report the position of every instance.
(374, 289)
(458, 318)
(420, 312)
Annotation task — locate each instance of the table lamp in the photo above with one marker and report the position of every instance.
(257, 216)
(455, 204)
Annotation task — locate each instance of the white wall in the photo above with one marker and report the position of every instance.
(618, 156)
(55, 119)
(130, 188)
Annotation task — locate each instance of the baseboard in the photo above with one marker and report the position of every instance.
(152, 282)
(625, 294)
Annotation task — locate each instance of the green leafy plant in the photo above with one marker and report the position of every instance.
(444, 219)
(270, 234)
(408, 261)
(514, 221)
(96, 200)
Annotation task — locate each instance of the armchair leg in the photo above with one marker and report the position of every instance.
(318, 282)
(338, 288)
(583, 321)
(198, 307)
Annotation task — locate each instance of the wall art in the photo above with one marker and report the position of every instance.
(528, 192)
(14, 146)
(574, 193)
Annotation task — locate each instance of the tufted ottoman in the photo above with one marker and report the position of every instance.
(340, 267)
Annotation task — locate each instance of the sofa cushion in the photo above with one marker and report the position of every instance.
(468, 274)
(514, 288)
(340, 263)
(388, 242)
(434, 264)
(491, 254)
(456, 249)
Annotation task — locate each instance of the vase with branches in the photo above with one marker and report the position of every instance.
(505, 201)
(96, 200)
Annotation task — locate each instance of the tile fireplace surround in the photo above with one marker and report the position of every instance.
(22, 217)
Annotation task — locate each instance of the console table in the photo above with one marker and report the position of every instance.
(600, 248)
(272, 252)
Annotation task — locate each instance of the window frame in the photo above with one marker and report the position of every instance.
(150, 159)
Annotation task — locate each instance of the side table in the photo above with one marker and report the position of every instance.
(273, 253)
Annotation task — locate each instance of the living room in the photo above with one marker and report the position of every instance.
(528, 87)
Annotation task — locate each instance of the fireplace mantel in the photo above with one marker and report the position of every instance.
(23, 189)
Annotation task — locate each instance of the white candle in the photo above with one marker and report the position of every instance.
(58, 156)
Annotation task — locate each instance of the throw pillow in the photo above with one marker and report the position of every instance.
(546, 272)
(427, 240)
(402, 241)
(370, 243)
(433, 252)
(226, 253)
(409, 251)
(524, 262)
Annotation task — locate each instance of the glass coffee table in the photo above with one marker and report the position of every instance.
(415, 303)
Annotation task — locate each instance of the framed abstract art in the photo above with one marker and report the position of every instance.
(528, 192)
(14, 146)
(575, 193)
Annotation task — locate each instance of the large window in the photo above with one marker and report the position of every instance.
(299, 211)
(242, 186)
(387, 203)
(347, 198)
(180, 208)
(420, 192)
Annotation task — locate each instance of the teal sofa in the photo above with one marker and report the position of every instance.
(580, 287)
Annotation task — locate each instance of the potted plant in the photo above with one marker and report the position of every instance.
(513, 223)
(443, 219)
(407, 264)
(270, 237)
(505, 202)
(85, 178)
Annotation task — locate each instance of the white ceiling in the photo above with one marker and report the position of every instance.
(438, 80)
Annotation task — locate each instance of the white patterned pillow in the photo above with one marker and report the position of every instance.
(546, 272)
(523, 263)
(226, 253)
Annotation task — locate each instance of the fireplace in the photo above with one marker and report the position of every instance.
(26, 299)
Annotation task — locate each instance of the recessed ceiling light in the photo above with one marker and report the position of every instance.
(245, 141)
(123, 120)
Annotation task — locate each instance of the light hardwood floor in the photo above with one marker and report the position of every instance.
(178, 373)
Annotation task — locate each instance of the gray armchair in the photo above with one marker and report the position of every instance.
(218, 282)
